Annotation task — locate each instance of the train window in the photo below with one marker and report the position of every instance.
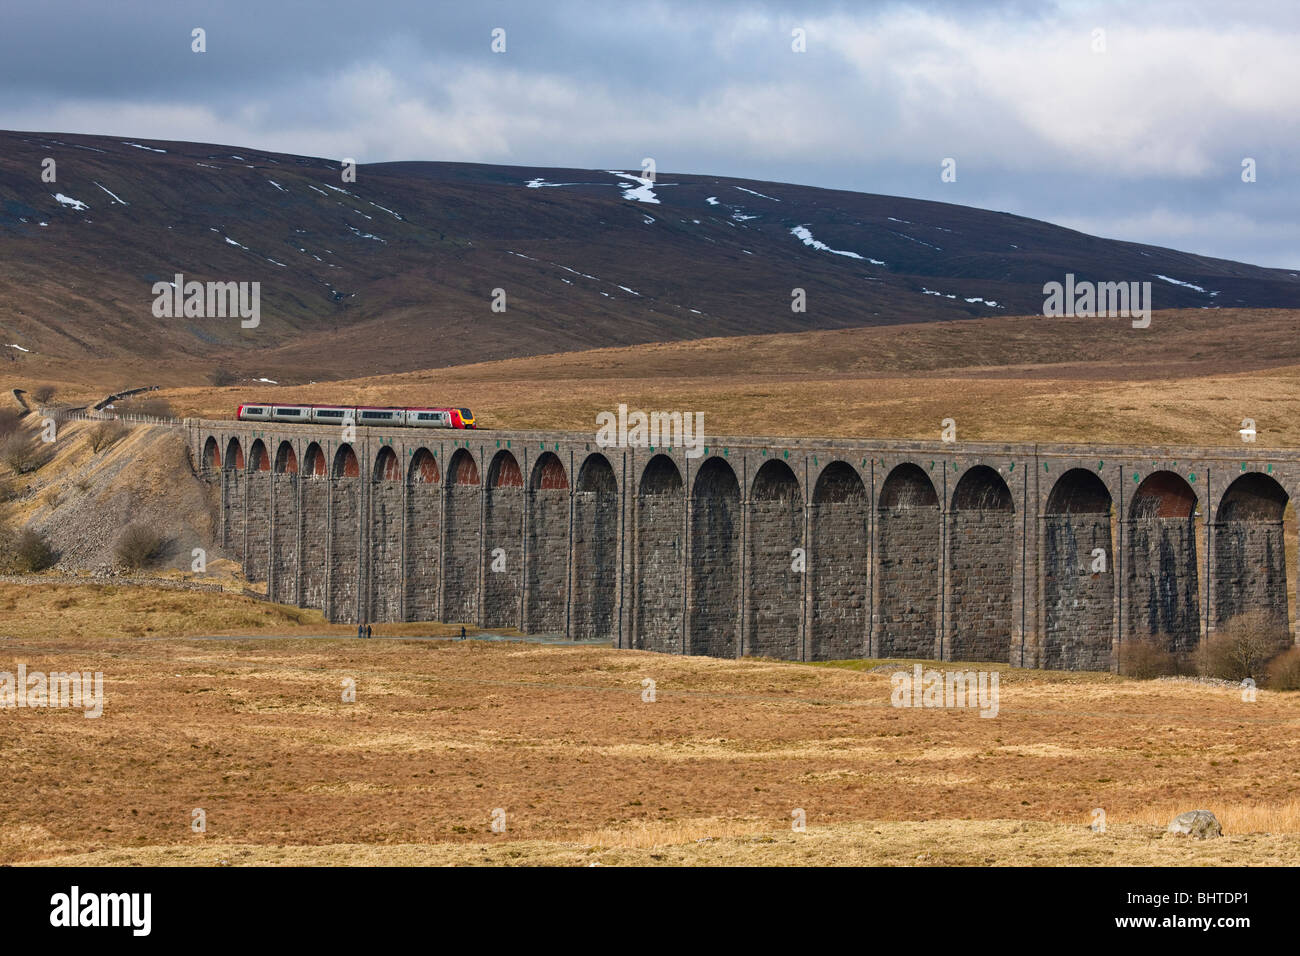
(429, 416)
(288, 411)
(254, 410)
(385, 416)
(329, 413)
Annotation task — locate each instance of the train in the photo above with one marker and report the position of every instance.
(357, 414)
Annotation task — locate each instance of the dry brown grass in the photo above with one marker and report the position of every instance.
(1006, 379)
(878, 843)
(255, 732)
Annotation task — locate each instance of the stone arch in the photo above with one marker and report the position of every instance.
(838, 562)
(258, 458)
(1250, 552)
(595, 550)
(503, 552)
(548, 545)
(345, 463)
(714, 592)
(463, 469)
(463, 539)
(660, 557)
(549, 473)
(1163, 602)
(387, 467)
(908, 515)
(286, 460)
(982, 538)
(314, 461)
(211, 460)
(424, 468)
(423, 528)
(385, 544)
(342, 598)
(1078, 585)
(234, 460)
(774, 591)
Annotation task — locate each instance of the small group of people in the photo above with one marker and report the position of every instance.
(363, 630)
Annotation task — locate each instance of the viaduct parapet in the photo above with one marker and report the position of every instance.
(1052, 556)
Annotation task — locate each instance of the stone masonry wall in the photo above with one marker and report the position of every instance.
(982, 560)
(259, 525)
(909, 581)
(548, 560)
(386, 551)
(1250, 571)
(1162, 584)
(595, 557)
(505, 527)
(838, 562)
(1080, 602)
(233, 491)
(345, 554)
(660, 559)
(423, 520)
(775, 587)
(284, 547)
(715, 566)
(315, 540)
(461, 559)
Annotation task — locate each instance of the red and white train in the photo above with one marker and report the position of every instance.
(358, 415)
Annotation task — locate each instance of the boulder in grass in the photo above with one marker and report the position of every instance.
(1201, 824)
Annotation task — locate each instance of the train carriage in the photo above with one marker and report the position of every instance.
(370, 415)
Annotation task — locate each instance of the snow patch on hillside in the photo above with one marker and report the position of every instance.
(1186, 285)
(63, 200)
(116, 197)
(806, 237)
(643, 191)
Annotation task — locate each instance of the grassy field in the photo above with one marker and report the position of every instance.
(442, 733)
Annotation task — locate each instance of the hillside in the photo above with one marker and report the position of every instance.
(395, 272)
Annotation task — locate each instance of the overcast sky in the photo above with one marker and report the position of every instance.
(1143, 140)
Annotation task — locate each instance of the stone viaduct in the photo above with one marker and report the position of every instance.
(1050, 556)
